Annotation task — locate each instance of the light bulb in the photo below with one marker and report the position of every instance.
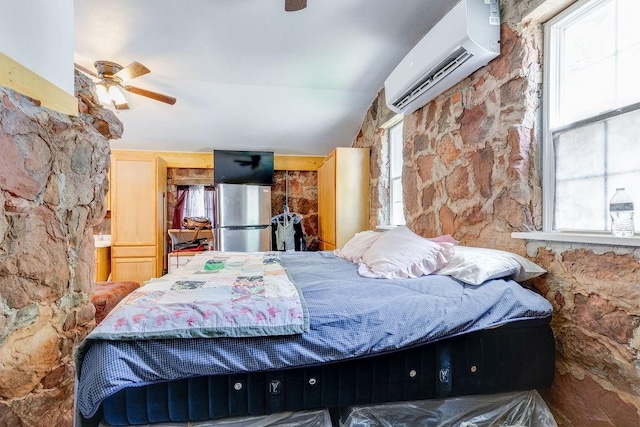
(117, 96)
(103, 95)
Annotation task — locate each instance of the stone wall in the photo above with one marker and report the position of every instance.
(596, 298)
(472, 158)
(53, 179)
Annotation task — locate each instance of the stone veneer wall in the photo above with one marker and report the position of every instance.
(53, 180)
(301, 194)
(471, 169)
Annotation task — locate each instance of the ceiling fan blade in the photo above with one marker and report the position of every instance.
(294, 5)
(85, 70)
(149, 94)
(131, 71)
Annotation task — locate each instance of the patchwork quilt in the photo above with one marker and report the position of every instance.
(218, 294)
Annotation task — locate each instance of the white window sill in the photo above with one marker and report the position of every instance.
(597, 239)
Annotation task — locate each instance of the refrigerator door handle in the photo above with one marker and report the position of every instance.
(247, 227)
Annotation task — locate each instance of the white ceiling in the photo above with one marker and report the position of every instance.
(247, 74)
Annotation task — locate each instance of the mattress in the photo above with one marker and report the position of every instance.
(513, 357)
(370, 340)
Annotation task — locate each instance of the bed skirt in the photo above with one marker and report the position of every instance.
(517, 356)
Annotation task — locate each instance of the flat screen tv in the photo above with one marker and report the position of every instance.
(242, 167)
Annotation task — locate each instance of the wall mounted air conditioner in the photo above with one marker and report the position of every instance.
(465, 39)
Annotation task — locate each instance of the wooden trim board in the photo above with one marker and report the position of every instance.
(16, 76)
(180, 159)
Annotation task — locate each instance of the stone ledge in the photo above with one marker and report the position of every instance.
(596, 239)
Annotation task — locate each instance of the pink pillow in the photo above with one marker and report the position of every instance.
(444, 238)
(400, 253)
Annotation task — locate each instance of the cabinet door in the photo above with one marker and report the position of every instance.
(103, 264)
(327, 202)
(138, 201)
(136, 269)
(134, 202)
(160, 193)
(351, 193)
(324, 246)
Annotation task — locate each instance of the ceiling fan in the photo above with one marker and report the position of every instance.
(112, 78)
(294, 5)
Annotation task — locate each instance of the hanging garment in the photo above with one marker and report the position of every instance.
(285, 237)
(287, 234)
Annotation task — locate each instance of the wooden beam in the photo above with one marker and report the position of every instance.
(183, 159)
(297, 163)
(16, 76)
(179, 159)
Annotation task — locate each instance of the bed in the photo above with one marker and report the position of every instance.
(347, 340)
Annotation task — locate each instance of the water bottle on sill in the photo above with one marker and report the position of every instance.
(621, 211)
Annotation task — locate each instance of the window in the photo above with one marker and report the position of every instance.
(396, 205)
(591, 126)
(199, 201)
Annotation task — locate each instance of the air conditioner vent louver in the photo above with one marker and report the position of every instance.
(464, 40)
(441, 70)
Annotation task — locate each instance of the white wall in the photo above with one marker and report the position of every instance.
(39, 35)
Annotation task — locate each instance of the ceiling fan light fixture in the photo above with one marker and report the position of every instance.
(103, 93)
(111, 95)
(117, 97)
(111, 76)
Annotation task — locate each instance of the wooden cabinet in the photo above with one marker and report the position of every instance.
(103, 264)
(327, 204)
(137, 269)
(138, 209)
(343, 196)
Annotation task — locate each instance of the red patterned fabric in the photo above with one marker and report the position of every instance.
(108, 295)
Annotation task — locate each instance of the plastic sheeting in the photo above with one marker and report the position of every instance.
(519, 409)
(319, 418)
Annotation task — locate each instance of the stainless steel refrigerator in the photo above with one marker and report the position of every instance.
(242, 220)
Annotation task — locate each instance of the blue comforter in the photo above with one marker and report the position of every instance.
(350, 316)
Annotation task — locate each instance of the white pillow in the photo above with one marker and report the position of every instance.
(357, 246)
(476, 265)
(400, 253)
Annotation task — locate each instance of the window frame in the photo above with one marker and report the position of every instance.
(393, 178)
(552, 54)
(385, 212)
